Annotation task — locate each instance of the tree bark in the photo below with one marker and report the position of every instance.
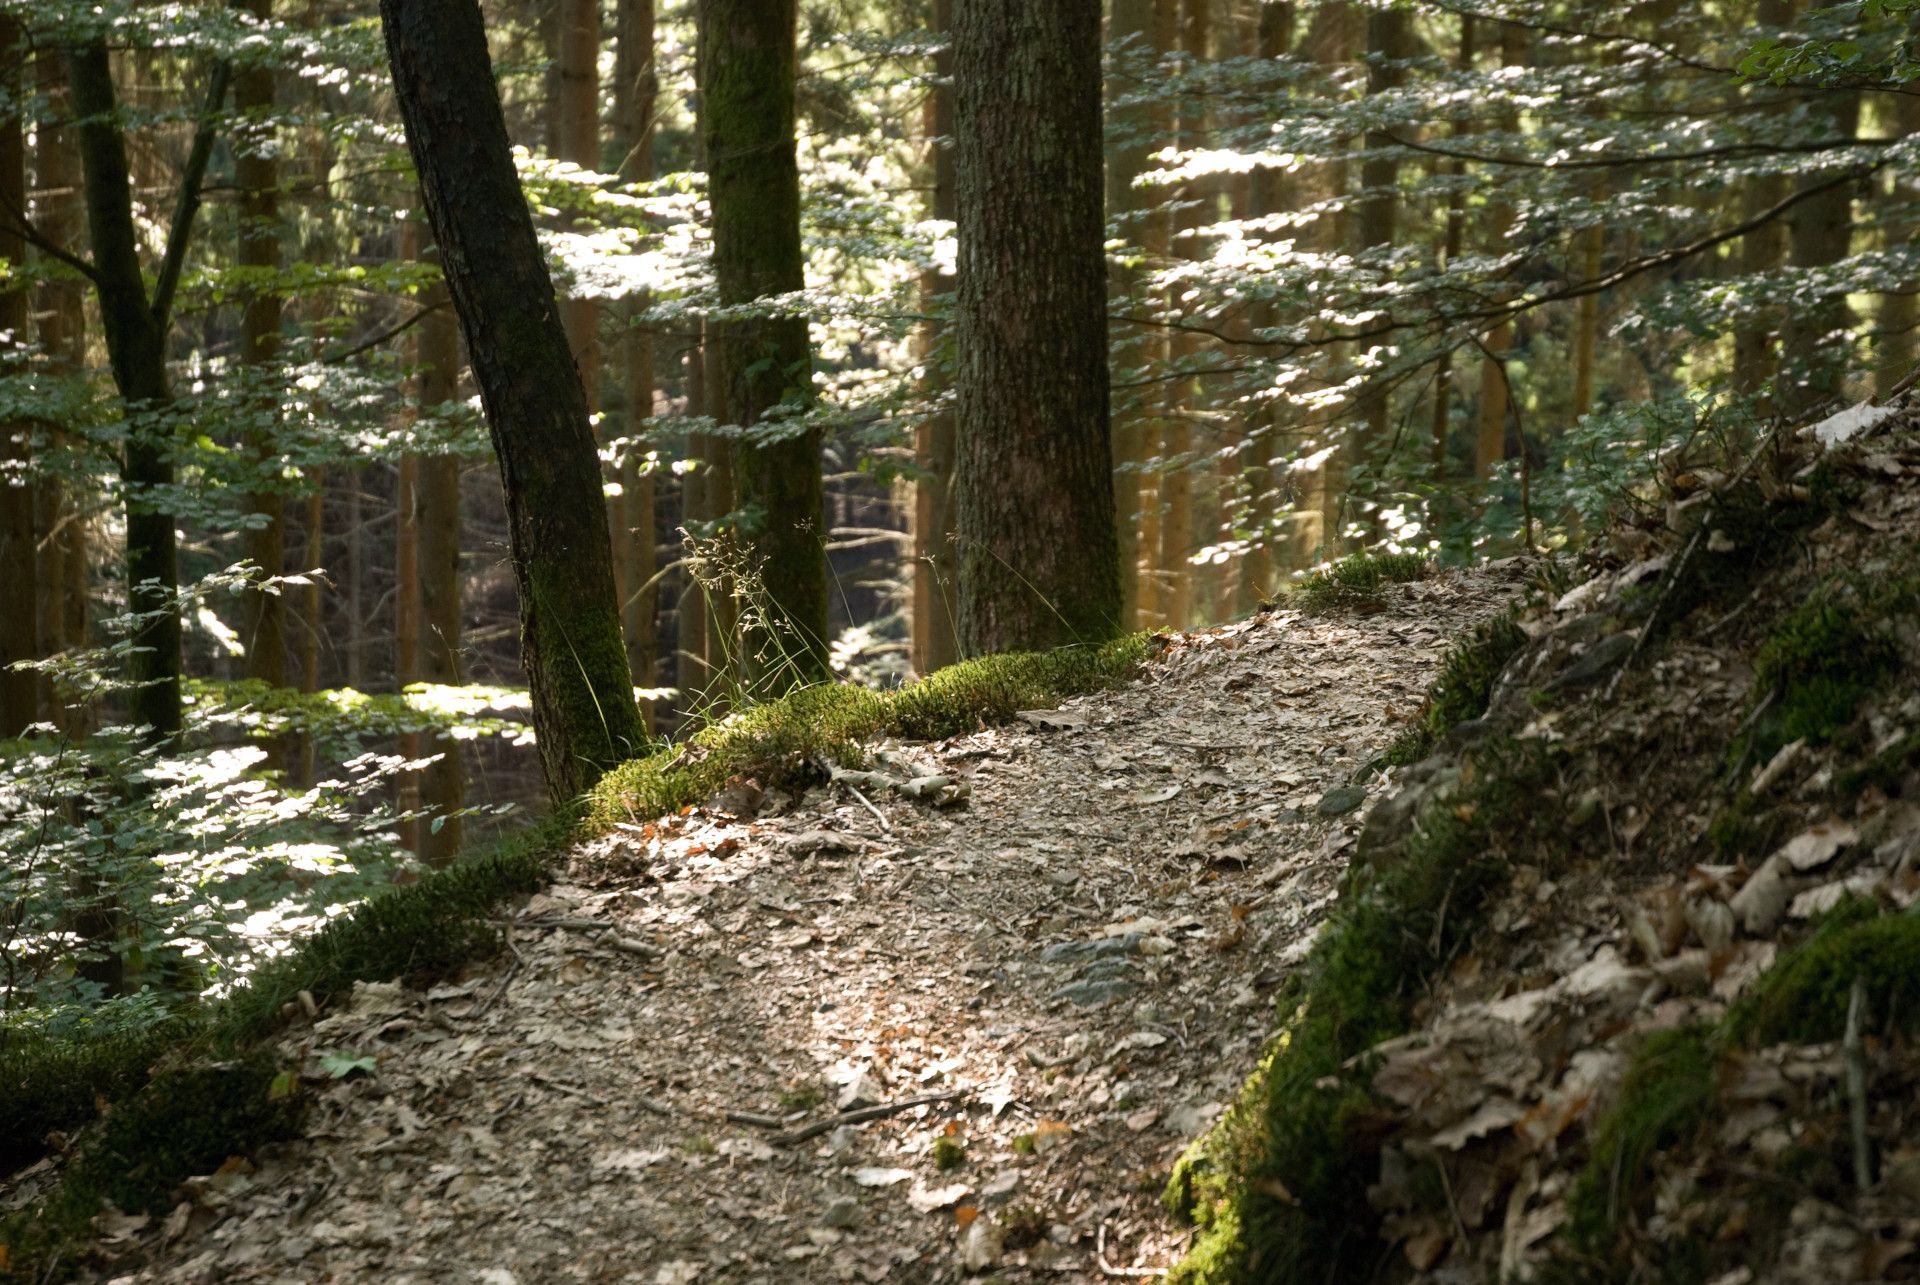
(257, 175)
(582, 689)
(136, 330)
(936, 639)
(436, 525)
(1039, 559)
(764, 364)
(636, 90)
(19, 632)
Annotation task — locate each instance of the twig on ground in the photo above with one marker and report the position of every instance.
(755, 1118)
(878, 815)
(861, 1115)
(499, 990)
(1855, 1046)
(653, 1105)
(573, 1090)
(1100, 1257)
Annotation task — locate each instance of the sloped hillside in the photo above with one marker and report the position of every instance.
(1624, 976)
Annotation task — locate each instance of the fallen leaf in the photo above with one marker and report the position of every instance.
(927, 1199)
(870, 1176)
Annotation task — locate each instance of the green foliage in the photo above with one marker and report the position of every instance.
(1356, 580)
(1277, 1186)
(55, 1081)
(1460, 693)
(830, 720)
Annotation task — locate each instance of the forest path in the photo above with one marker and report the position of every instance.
(1082, 955)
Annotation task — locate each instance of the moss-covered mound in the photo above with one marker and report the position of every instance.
(1355, 581)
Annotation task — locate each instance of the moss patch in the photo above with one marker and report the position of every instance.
(1279, 1187)
(1461, 692)
(1356, 580)
(1803, 998)
(830, 722)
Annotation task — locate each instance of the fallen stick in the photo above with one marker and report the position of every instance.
(754, 1118)
(861, 1115)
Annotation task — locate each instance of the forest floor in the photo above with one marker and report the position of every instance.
(1044, 990)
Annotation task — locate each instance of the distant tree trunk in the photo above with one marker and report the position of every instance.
(1182, 396)
(764, 364)
(61, 311)
(1591, 244)
(1141, 128)
(1764, 249)
(1389, 35)
(1452, 242)
(136, 334)
(1814, 341)
(437, 532)
(406, 607)
(19, 633)
(257, 175)
(1490, 442)
(582, 690)
(936, 641)
(1034, 476)
(636, 90)
(1898, 311)
(1266, 196)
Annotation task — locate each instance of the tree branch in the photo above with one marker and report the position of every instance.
(19, 223)
(191, 178)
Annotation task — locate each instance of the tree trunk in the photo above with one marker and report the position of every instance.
(636, 90)
(1389, 33)
(582, 690)
(436, 525)
(764, 364)
(1815, 342)
(936, 641)
(257, 175)
(19, 633)
(1034, 476)
(1490, 442)
(1764, 249)
(136, 330)
(1451, 244)
(1898, 314)
(1266, 196)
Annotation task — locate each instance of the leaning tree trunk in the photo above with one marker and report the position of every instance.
(764, 363)
(582, 690)
(1039, 559)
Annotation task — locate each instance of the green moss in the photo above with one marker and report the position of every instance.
(1803, 998)
(831, 720)
(1356, 580)
(55, 1083)
(1465, 684)
(948, 1152)
(1822, 660)
(1665, 1100)
(185, 1122)
(1279, 1186)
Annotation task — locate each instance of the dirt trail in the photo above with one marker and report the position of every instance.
(1082, 954)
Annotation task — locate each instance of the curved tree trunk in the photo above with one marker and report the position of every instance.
(1039, 562)
(763, 363)
(583, 708)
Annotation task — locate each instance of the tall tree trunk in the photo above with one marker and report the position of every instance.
(61, 309)
(1899, 311)
(1453, 239)
(1034, 476)
(1266, 196)
(936, 641)
(1389, 35)
(136, 330)
(19, 633)
(1490, 442)
(764, 365)
(581, 687)
(1815, 342)
(436, 525)
(258, 177)
(1182, 396)
(1136, 131)
(1764, 249)
(637, 89)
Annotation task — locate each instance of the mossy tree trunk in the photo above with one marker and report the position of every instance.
(136, 333)
(582, 690)
(1039, 562)
(764, 364)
